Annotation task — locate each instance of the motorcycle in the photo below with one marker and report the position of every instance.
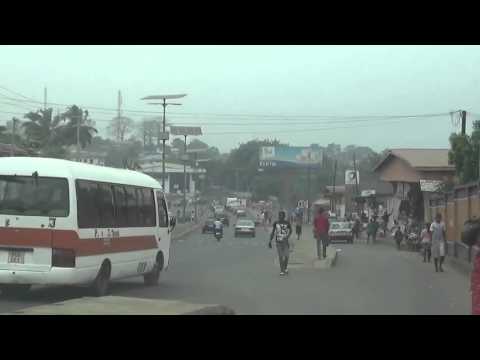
(413, 241)
(218, 235)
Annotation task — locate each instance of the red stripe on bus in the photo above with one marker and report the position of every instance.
(68, 239)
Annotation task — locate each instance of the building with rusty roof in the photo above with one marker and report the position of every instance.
(406, 169)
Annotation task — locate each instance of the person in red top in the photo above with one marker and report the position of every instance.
(321, 225)
(475, 282)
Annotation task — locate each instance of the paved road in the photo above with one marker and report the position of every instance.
(240, 273)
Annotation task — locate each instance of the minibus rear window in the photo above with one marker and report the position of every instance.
(34, 196)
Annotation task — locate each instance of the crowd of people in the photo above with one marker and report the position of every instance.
(432, 241)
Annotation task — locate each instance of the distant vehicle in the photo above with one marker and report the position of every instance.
(245, 227)
(341, 231)
(208, 227)
(241, 213)
(230, 201)
(219, 209)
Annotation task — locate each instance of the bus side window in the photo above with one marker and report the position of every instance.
(121, 206)
(105, 198)
(148, 207)
(132, 207)
(162, 212)
(87, 210)
(141, 215)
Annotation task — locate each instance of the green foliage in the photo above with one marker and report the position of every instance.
(464, 151)
(120, 154)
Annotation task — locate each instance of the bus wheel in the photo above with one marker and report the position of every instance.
(151, 279)
(14, 290)
(102, 281)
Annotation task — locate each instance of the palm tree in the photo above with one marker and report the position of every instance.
(68, 133)
(42, 129)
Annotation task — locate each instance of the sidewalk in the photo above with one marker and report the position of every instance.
(304, 252)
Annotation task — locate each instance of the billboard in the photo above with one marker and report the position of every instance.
(290, 156)
(350, 177)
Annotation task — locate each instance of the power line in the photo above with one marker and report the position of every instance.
(253, 116)
(390, 122)
(15, 93)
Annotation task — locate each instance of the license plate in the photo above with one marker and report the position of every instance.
(245, 230)
(16, 257)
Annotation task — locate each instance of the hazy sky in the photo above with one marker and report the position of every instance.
(237, 93)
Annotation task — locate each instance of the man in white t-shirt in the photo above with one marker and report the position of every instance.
(438, 242)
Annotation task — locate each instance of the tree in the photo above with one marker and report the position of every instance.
(120, 127)
(148, 132)
(42, 129)
(464, 153)
(68, 133)
(121, 154)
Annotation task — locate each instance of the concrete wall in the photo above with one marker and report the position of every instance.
(456, 208)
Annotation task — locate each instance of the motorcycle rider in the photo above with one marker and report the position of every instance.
(218, 226)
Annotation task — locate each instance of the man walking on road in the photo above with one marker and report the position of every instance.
(372, 229)
(321, 226)
(281, 231)
(438, 242)
(298, 226)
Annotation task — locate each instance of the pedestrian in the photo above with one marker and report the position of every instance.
(281, 231)
(475, 280)
(298, 226)
(398, 236)
(386, 218)
(426, 241)
(372, 229)
(438, 242)
(321, 226)
(356, 229)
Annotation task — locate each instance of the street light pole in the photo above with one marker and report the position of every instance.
(195, 192)
(185, 177)
(164, 135)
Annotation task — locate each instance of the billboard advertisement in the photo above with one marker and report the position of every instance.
(290, 156)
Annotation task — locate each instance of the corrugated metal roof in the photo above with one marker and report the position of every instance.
(421, 158)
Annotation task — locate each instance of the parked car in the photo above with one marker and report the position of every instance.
(245, 227)
(341, 231)
(208, 227)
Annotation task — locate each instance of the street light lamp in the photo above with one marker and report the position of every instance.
(164, 136)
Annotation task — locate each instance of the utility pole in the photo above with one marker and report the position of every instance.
(119, 114)
(195, 192)
(164, 104)
(45, 98)
(464, 121)
(309, 171)
(356, 178)
(12, 146)
(334, 200)
(184, 177)
(79, 120)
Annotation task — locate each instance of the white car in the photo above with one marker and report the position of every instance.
(341, 231)
(245, 227)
